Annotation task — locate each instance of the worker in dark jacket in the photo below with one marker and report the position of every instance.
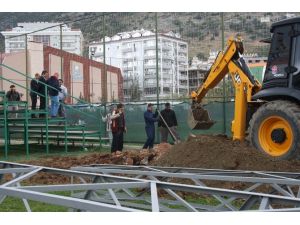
(53, 90)
(150, 118)
(42, 91)
(34, 88)
(170, 118)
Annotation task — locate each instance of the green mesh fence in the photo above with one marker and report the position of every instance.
(134, 113)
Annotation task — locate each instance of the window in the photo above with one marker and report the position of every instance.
(296, 61)
(279, 54)
(44, 39)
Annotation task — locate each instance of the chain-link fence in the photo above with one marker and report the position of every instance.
(133, 57)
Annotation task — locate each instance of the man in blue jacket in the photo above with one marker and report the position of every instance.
(150, 119)
(53, 90)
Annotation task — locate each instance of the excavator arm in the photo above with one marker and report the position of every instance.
(228, 62)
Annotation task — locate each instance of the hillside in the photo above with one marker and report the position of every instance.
(201, 30)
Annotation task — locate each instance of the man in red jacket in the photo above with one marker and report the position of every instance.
(118, 128)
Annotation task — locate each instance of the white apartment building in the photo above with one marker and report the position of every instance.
(134, 53)
(72, 39)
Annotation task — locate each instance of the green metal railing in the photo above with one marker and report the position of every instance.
(29, 113)
(47, 87)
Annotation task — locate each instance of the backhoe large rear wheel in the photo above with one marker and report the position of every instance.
(275, 129)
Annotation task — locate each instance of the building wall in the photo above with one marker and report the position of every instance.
(54, 65)
(95, 84)
(17, 62)
(77, 79)
(112, 85)
(82, 77)
(35, 57)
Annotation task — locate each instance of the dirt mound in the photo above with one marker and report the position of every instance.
(128, 157)
(220, 152)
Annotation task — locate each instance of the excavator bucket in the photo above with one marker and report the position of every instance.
(199, 119)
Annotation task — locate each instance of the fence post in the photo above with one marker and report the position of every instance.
(157, 77)
(61, 49)
(104, 90)
(224, 79)
(26, 67)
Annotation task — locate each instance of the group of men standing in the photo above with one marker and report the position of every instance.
(167, 122)
(116, 127)
(56, 90)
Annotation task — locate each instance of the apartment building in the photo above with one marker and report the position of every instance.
(134, 53)
(72, 39)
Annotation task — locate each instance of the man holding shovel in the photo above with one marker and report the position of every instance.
(168, 123)
(150, 118)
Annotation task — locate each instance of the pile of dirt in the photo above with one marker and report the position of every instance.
(220, 152)
(127, 157)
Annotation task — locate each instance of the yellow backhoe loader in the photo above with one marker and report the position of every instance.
(269, 112)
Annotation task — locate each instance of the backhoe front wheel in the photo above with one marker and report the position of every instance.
(275, 129)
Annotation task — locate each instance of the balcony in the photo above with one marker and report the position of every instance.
(149, 56)
(166, 47)
(165, 56)
(149, 84)
(167, 74)
(182, 68)
(98, 54)
(127, 49)
(150, 66)
(128, 68)
(183, 50)
(147, 47)
(167, 66)
(182, 59)
(150, 75)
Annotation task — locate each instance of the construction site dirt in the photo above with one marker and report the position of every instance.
(201, 151)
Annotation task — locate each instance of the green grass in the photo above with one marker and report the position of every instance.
(11, 204)
(17, 152)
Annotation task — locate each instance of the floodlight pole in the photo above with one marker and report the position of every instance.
(26, 68)
(224, 79)
(157, 77)
(61, 49)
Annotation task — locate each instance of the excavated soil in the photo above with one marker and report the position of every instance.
(202, 151)
(220, 152)
(128, 157)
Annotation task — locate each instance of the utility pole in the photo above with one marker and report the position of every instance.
(61, 49)
(224, 79)
(104, 94)
(26, 68)
(157, 77)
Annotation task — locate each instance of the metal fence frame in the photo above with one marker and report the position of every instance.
(103, 192)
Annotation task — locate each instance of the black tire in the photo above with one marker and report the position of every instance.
(287, 110)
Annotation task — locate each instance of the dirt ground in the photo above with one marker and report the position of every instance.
(202, 151)
(220, 152)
